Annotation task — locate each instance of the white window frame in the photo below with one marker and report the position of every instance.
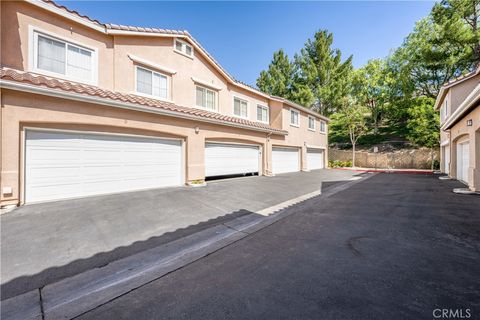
(314, 123)
(233, 107)
(151, 95)
(33, 55)
(444, 111)
(298, 118)
(215, 99)
(267, 108)
(184, 43)
(324, 126)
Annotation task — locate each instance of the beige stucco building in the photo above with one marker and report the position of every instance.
(458, 102)
(91, 108)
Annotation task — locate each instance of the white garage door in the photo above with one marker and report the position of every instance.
(285, 160)
(446, 159)
(315, 159)
(463, 155)
(60, 165)
(230, 159)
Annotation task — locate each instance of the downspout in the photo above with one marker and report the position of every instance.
(267, 143)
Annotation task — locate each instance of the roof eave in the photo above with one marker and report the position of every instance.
(81, 20)
(300, 107)
(441, 95)
(469, 102)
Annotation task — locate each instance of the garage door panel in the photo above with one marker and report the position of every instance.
(97, 164)
(463, 161)
(229, 159)
(285, 160)
(315, 159)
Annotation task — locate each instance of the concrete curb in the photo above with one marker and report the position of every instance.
(74, 296)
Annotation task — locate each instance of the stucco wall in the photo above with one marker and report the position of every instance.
(21, 110)
(458, 93)
(460, 131)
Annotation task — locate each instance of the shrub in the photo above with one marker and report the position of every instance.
(339, 164)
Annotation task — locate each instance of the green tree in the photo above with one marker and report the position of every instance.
(321, 73)
(351, 121)
(459, 21)
(424, 124)
(441, 47)
(372, 87)
(278, 78)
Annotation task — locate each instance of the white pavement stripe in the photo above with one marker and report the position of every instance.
(268, 211)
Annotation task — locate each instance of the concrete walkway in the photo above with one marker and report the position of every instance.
(44, 243)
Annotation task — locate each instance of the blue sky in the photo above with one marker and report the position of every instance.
(242, 36)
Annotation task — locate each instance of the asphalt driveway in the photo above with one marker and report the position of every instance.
(43, 243)
(395, 246)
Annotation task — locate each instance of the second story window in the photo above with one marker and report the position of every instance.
(183, 48)
(205, 98)
(444, 111)
(152, 83)
(262, 113)
(294, 118)
(311, 123)
(323, 127)
(59, 57)
(240, 108)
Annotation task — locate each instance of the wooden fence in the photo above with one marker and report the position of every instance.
(399, 159)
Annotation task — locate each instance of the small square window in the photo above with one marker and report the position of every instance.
(183, 48)
(262, 113)
(240, 108)
(323, 126)
(178, 45)
(294, 118)
(152, 83)
(311, 123)
(205, 98)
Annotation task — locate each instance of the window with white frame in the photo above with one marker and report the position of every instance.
(152, 83)
(61, 57)
(294, 118)
(262, 113)
(205, 98)
(323, 127)
(311, 123)
(183, 48)
(444, 111)
(240, 107)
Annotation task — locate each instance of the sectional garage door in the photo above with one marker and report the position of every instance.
(285, 160)
(463, 160)
(231, 159)
(60, 165)
(315, 159)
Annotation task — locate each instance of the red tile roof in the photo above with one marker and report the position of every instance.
(87, 90)
(73, 12)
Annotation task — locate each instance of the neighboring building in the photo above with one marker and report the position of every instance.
(90, 108)
(458, 102)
